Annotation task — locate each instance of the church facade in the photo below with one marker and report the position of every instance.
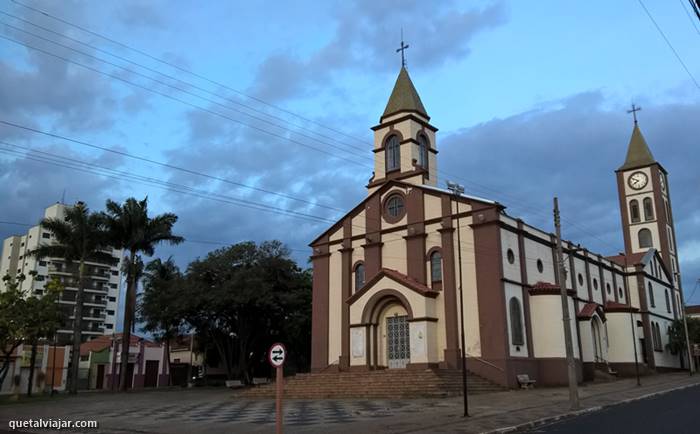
(390, 276)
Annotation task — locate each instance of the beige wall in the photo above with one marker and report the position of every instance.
(335, 303)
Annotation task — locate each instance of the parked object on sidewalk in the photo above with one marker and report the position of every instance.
(525, 381)
(234, 384)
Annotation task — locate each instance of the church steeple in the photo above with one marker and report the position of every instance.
(638, 152)
(404, 140)
(404, 97)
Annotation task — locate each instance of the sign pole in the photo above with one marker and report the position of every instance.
(278, 403)
(276, 356)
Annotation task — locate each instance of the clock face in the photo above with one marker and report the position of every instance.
(637, 180)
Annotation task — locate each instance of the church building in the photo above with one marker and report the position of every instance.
(390, 276)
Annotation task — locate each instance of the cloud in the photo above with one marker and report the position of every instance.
(365, 39)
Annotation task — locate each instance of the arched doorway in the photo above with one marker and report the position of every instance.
(389, 314)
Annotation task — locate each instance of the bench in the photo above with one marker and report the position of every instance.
(525, 381)
(234, 384)
(260, 380)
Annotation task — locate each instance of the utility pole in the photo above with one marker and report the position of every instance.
(691, 367)
(632, 323)
(457, 190)
(561, 277)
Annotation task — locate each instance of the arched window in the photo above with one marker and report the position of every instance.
(634, 211)
(436, 267)
(668, 301)
(516, 322)
(393, 153)
(644, 236)
(654, 341)
(651, 296)
(394, 206)
(648, 209)
(423, 151)
(359, 276)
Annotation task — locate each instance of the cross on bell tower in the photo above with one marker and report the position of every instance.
(634, 111)
(402, 48)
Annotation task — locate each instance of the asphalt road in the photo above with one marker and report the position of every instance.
(675, 412)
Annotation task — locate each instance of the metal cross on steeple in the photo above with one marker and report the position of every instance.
(634, 111)
(402, 48)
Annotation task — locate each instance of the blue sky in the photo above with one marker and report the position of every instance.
(529, 97)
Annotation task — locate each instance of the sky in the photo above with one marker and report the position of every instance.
(251, 120)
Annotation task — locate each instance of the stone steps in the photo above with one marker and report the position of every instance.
(389, 383)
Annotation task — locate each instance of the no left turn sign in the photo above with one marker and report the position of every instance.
(277, 355)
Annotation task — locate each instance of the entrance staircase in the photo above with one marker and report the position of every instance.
(387, 383)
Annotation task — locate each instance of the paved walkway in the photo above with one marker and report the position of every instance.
(219, 410)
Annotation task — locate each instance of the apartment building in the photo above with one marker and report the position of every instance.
(102, 280)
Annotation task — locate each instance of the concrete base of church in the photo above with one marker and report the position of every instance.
(629, 370)
(546, 371)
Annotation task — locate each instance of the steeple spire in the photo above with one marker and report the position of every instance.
(404, 97)
(638, 152)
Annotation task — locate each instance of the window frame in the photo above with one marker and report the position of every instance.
(650, 239)
(423, 149)
(359, 265)
(392, 153)
(635, 215)
(648, 207)
(517, 326)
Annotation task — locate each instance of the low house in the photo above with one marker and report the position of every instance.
(100, 363)
(50, 369)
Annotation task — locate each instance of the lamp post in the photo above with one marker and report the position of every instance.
(632, 324)
(457, 190)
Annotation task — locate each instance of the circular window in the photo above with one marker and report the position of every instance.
(511, 256)
(595, 284)
(394, 208)
(580, 279)
(540, 266)
(607, 288)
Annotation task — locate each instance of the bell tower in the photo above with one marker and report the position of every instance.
(645, 203)
(404, 140)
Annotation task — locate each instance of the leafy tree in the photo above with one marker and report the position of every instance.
(130, 228)
(159, 307)
(676, 335)
(80, 238)
(12, 320)
(243, 298)
(43, 320)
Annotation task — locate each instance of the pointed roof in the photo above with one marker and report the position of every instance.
(638, 153)
(404, 97)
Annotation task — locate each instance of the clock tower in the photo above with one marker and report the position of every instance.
(645, 204)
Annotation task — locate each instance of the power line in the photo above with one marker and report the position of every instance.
(690, 17)
(171, 77)
(663, 35)
(105, 171)
(185, 91)
(167, 165)
(165, 95)
(179, 68)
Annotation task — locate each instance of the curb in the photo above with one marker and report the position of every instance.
(551, 419)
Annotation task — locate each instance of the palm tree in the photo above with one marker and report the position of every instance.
(130, 228)
(157, 309)
(80, 238)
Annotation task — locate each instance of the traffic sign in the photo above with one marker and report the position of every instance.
(276, 355)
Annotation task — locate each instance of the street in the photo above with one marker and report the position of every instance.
(674, 412)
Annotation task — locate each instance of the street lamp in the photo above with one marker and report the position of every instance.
(632, 324)
(457, 190)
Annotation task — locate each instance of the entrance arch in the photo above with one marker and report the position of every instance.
(388, 313)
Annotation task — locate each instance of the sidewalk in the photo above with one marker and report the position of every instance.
(503, 411)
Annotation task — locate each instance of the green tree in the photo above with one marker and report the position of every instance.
(159, 309)
(43, 320)
(244, 297)
(80, 238)
(676, 336)
(130, 228)
(12, 320)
